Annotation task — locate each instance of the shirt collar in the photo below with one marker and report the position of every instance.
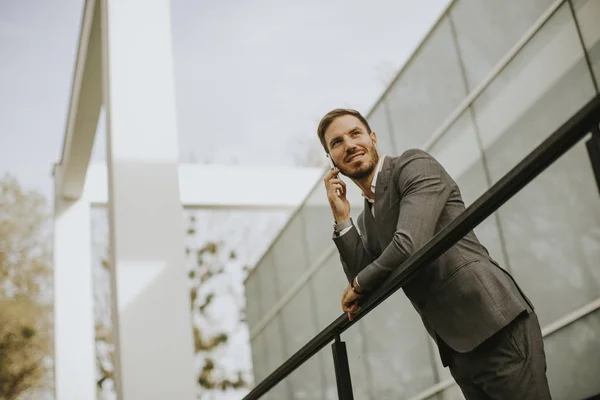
(374, 181)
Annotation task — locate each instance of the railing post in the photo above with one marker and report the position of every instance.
(593, 147)
(342, 370)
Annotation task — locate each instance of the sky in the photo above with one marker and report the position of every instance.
(252, 78)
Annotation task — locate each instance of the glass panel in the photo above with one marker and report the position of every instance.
(275, 356)
(307, 381)
(289, 254)
(457, 150)
(267, 283)
(427, 92)
(549, 232)
(318, 221)
(546, 83)
(459, 153)
(379, 123)
(360, 374)
(398, 352)
(299, 322)
(487, 30)
(299, 325)
(573, 357)
(329, 283)
(259, 358)
(587, 12)
(253, 312)
(473, 184)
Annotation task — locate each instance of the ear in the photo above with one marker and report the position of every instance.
(373, 137)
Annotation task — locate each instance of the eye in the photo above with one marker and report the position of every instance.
(355, 133)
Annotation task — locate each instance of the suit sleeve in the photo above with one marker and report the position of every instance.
(424, 191)
(353, 253)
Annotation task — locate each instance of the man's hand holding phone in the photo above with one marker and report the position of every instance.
(336, 194)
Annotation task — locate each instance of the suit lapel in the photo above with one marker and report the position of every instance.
(382, 198)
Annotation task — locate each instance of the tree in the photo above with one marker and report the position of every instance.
(207, 267)
(210, 284)
(25, 304)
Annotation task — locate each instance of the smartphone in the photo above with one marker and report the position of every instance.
(332, 165)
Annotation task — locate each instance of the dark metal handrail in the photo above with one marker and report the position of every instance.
(565, 137)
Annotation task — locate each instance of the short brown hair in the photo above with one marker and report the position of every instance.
(331, 116)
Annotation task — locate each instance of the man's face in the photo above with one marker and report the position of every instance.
(351, 147)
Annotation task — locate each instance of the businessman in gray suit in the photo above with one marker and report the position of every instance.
(485, 327)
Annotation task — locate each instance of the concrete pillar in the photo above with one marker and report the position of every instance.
(153, 330)
(74, 333)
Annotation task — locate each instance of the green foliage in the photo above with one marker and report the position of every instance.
(205, 379)
(209, 262)
(204, 263)
(202, 344)
(24, 278)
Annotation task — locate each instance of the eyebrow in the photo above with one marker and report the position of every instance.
(352, 130)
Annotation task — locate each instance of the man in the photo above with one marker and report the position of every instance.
(485, 327)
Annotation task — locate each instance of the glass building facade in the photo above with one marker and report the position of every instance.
(489, 83)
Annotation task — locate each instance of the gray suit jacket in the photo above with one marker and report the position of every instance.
(464, 296)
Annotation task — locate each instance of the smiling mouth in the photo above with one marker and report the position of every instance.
(354, 157)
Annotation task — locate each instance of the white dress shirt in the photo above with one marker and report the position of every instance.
(373, 185)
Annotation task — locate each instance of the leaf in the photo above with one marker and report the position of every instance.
(207, 301)
(27, 332)
(193, 296)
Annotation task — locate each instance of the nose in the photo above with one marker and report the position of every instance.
(350, 147)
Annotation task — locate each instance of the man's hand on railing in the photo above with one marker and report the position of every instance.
(350, 298)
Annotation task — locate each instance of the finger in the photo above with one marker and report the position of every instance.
(346, 306)
(349, 306)
(339, 184)
(332, 172)
(337, 180)
(350, 297)
(339, 187)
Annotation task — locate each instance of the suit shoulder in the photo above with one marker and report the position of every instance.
(416, 163)
(412, 154)
(400, 162)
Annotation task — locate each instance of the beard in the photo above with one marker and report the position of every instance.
(365, 168)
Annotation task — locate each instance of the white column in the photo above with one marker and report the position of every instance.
(154, 345)
(74, 333)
